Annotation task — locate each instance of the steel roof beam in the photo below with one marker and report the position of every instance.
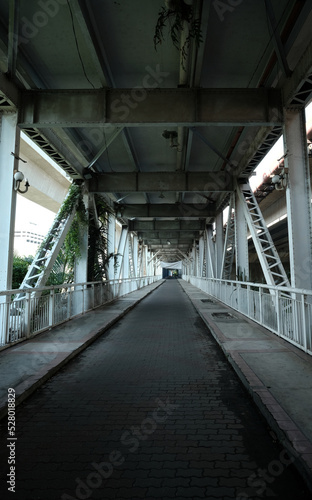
(167, 210)
(149, 182)
(169, 235)
(167, 225)
(137, 107)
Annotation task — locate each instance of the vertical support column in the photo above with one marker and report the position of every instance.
(81, 266)
(9, 142)
(121, 251)
(201, 256)
(219, 244)
(145, 260)
(211, 257)
(135, 254)
(241, 242)
(111, 246)
(298, 199)
(193, 259)
(149, 263)
(125, 258)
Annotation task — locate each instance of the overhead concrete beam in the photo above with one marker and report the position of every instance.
(167, 225)
(148, 182)
(145, 106)
(180, 210)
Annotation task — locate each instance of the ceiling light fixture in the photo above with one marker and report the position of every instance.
(172, 135)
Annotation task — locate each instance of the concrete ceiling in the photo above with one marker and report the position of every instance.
(93, 92)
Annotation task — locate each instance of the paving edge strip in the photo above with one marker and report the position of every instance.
(302, 461)
(23, 392)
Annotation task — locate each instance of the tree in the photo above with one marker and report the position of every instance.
(20, 267)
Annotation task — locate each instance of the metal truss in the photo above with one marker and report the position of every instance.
(51, 151)
(40, 268)
(271, 264)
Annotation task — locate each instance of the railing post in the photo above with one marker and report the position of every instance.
(231, 287)
(248, 301)
(83, 297)
(260, 305)
(102, 293)
(27, 314)
(51, 307)
(93, 295)
(304, 323)
(294, 317)
(5, 322)
(69, 296)
(278, 311)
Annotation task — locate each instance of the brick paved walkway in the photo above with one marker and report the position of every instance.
(150, 410)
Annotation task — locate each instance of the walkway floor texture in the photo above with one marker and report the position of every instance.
(152, 409)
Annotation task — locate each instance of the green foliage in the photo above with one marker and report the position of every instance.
(70, 252)
(74, 197)
(98, 256)
(179, 13)
(20, 268)
(61, 272)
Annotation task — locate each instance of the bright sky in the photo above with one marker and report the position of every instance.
(31, 214)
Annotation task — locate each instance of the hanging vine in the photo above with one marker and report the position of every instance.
(70, 251)
(176, 13)
(98, 256)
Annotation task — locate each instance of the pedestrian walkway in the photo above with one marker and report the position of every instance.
(152, 409)
(277, 374)
(28, 364)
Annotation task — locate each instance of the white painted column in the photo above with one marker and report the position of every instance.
(219, 244)
(9, 142)
(111, 246)
(211, 253)
(125, 257)
(149, 271)
(135, 254)
(145, 260)
(194, 261)
(298, 199)
(81, 266)
(241, 242)
(82, 298)
(201, 256)
(121, 251)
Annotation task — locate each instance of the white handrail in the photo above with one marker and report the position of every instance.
(285, 311)
(53, 305)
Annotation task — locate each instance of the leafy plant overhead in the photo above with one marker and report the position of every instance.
(176, 14)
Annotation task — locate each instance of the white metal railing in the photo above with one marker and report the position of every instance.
(43, 308)
(285, 311)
